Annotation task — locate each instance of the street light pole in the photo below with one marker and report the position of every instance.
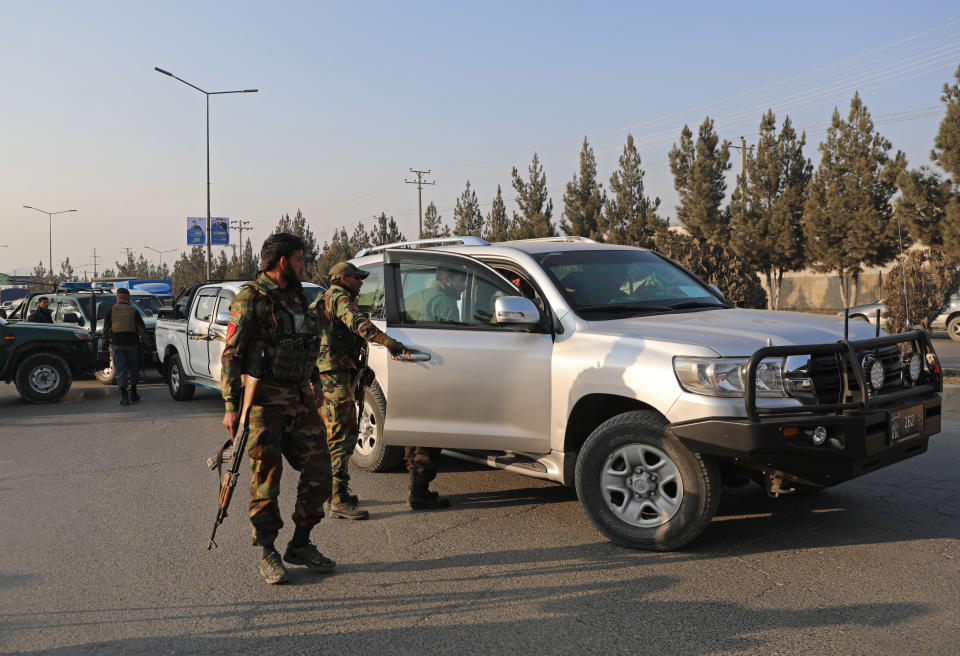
(207, 94)
(50, 218)
(160, 253)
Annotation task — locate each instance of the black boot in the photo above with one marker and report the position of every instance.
(421, 498)
(124, 397)
(133, 393)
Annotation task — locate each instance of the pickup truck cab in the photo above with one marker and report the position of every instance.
(191, 342)
(42, 358)
(615, 370)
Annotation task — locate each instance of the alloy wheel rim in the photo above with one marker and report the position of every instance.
(367, 434)
(641, 485)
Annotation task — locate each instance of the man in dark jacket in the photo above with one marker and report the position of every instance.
(41, 313)
(122, 328)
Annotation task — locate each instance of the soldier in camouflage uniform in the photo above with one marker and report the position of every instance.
(273, 337)
(346, 331)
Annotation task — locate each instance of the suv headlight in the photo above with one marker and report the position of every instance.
(726, 376)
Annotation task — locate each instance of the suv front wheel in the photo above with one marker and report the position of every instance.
(641, 487)
(43, 378)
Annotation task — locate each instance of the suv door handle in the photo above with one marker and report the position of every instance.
(414, 356)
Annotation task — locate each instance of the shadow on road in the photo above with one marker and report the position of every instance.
(596, 617)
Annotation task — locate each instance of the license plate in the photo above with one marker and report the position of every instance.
(904, 423)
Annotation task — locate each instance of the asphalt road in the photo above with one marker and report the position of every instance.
(105, 513)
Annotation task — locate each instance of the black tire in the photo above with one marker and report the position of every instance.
(371, 454)
(953, 329)
(43, 378)
(180, 390)
(673, 498)
(107, 375)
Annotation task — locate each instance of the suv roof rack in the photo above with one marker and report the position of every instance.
(565, 238)
(426, 243)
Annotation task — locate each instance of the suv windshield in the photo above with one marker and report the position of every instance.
(615, 282)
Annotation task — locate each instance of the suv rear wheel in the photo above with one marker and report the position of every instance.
(43, 378)
(371, 454)
(107, 375)
(641, 487)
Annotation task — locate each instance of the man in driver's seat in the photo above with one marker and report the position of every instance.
(438, 302)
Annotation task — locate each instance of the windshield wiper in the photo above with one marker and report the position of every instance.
(687, 305)
(625, 307)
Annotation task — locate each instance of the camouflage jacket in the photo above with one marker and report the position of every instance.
(344, 330)
(435, 303)
(270, 329)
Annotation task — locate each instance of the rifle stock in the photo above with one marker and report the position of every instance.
(361, 374)
(229, 482)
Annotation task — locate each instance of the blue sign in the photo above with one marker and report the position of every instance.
(219, 230)
(196, 231)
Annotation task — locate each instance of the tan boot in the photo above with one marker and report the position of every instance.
(344, 505)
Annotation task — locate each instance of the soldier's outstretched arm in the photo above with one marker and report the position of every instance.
(347, 311)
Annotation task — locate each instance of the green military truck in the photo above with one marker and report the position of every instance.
(41, 359)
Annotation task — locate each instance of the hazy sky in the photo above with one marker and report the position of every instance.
(352, 95)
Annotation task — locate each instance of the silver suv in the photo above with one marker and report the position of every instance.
(616, 370)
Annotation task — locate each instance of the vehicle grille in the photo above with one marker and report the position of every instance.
(825, 373)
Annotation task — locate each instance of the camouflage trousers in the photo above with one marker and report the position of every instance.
(422, 461)
(295, 432)
(339, 412)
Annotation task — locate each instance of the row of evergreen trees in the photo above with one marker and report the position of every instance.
(783, 214)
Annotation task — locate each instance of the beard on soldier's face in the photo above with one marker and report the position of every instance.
(290, 274)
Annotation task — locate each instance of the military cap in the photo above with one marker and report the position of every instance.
(347, 269)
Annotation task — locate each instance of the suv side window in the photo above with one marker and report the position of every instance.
(449, 296)
(205, 306)
(223, 304)
(370, 298)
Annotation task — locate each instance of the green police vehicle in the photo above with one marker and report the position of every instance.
(41, 359)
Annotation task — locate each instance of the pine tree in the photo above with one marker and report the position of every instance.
(189, 269)
(630, 217)
(433, 225)
(498, 226)
(299, 227)
(766, 209)
(847, 216)
(698, 176)
(467, 218)
(930, 206)
(359, 240)
(584, 198)
(40, 278)
(385, 232)
(338, 250)
(534, 202)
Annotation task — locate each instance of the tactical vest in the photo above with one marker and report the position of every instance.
(123, 318)
(291, 354)
(343, 341)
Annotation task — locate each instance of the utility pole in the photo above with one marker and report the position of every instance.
(744, 149)
(95, 258)
(240, 226)
(419, 182)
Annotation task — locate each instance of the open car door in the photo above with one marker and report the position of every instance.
(485, 386)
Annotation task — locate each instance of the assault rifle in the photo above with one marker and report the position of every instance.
(229, 481)
(358, 392)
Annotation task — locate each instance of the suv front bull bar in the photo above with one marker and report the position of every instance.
(847, 352)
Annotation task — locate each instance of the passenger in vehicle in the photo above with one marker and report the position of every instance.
(438, 302)
(42, 313)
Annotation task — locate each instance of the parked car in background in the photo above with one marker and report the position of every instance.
(74, 308)
(949, 319)
(191, 341)
(41, 359)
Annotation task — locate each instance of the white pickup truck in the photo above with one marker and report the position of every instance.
(191, 342)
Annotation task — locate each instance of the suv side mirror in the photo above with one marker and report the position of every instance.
(72, 317)
(223, 318)
(516, 311)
